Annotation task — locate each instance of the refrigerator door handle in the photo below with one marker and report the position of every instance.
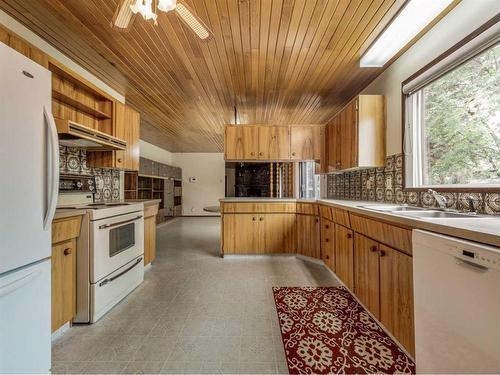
(19, 283)
(53, 170)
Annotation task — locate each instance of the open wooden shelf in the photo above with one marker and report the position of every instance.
(66, 99)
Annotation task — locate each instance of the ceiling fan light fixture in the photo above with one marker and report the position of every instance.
(199, 29)
(167, 5)
(145, 9)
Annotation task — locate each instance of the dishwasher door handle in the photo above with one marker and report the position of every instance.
(477, 267)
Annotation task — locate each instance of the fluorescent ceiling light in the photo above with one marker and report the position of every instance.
(192, 21)
(412, 19)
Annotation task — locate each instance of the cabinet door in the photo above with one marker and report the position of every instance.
(149, 239)
(274, 142)
(305, 142)
(63, 283)
(334, 145)
(277, 233)
(127, 123)
(366, 273)
(328, 243)
(241, 234)
(396, 296)
(308, 236)
(241, 142)
(344, 255)
(348, 133)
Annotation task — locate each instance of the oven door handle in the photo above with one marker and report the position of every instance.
(104, 226)
(111, 279)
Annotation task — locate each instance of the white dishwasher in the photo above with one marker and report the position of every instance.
(457, 305)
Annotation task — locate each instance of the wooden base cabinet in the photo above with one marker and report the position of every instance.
(308, 236)
(258, 233)
(63, 270)
(366, 273)
(63, 283)
(328, 243)
(344, 255)
(150, 212)
(383, 282)
(396, 295)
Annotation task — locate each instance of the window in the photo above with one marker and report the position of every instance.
(452, 119)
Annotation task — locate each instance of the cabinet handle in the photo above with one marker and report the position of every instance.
(382, 253)
(261, 219)
(119, 160)
(317, 220)
(373, 249)
(261, 153)
(253, 219)
(67, 251)
(327, 226)
(252, 153)
(349, 235)
(293, 153)
(327, 240)
(328, 257)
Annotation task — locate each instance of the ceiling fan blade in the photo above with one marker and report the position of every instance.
(123, 17)
(193, 21)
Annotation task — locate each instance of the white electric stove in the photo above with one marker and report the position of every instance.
(110, 251)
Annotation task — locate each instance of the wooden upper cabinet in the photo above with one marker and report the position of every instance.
(274, 142)
(305, 142)
(127, 125)
(21, 46)
(356, 135)
(241, 142)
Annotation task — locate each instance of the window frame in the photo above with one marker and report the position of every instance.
(448, 188)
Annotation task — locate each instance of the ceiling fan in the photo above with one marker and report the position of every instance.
(148, 9)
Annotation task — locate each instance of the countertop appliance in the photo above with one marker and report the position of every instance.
(29, 159)
(110, 252)
(457, 305)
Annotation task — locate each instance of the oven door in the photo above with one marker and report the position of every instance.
(115, 241)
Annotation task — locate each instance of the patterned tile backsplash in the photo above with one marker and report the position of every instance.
(74, 161)
(386, 185)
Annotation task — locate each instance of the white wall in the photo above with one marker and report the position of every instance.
(461, 21)
(209, 170)
(152, 152)
(13, 25)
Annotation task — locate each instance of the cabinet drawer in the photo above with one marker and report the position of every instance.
(66, 229)
(307, 208)
(393, 236)
(341, 217)
(327, 212)
(249, 207)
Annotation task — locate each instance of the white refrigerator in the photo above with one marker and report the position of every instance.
(29, 167)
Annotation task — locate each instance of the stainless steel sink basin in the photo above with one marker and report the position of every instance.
(392, 208)
(438, 215)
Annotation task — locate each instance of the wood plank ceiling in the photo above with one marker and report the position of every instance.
(277, 61)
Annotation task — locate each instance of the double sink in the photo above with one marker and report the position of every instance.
(419, 212)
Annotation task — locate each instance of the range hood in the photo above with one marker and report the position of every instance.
(73, 134)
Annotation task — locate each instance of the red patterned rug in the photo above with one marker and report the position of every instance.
(325, 330)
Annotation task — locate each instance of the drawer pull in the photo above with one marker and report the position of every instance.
(67, 251)
(327, 226)
(261, 219)
(373, 249)
(382, 253)
(327, 240)
(328, 257)
(253, 219)
(349, 235)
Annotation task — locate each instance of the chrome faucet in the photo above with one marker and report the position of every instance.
(440, 198)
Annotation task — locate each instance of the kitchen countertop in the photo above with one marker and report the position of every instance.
(484, 229)
(147, 202)
(62, 213)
